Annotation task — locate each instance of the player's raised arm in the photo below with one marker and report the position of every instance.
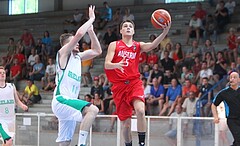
(95, 46)
(68, 47)
(145, 47)
(109, 58)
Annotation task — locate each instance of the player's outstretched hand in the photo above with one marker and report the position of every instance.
(91, 10)
(167, 27)
(121, 64)
(24, 107)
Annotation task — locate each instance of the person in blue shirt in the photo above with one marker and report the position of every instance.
(174, 92)
(156, 97)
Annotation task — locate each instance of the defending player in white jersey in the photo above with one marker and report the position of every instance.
(66, 105)
(8, 98)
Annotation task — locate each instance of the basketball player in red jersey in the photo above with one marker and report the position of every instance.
(121, 67)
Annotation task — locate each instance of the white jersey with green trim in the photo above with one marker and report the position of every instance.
(7, 102)
(68, 79)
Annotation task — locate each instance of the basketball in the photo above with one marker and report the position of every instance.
(159, 18)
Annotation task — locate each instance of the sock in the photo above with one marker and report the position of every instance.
(82, 137)
(141, 137)
(128, 144)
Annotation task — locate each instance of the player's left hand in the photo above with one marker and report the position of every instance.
(24, 107)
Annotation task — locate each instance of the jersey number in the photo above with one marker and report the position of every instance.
(74, 89)
(6, 110)
(127, 62)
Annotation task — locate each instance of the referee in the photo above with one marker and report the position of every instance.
(231, 98)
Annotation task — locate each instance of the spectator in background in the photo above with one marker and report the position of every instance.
(222, 16)
(39, 47)
(103, 81)
(232, 47)
(48, 42)
(189, 104)
(86, 65)
(88, 98)
(11, 47)
(205, 96)
(128, 15)
(174, 92)
(116, 20)
(178, 56)
(155, 72)
(191, 53)
(187, 88)
(156, 98)
(109, 36)
(152, 58)
(50, 85)
(210, 29)
(210, 60)
(230, 5)
(142, 61)
(32, 58)
(28, 41)
(20, 46)
(38, 70)
(108, 99)
(21, 61)
(220, 68)
(31, 93)
(15, 73)
(98, 102)
(205, 72)
(167, 79)
(168, 48)
(200, 12)
(146, 71)
(186, 74)
(197, 65)
(164, 42)
(50, 73)
(194, 29)
(208, 47)
(168, 63)
(96, 88)
(105, 15)
(77, 18)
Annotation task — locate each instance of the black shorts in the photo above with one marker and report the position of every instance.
(234, 127)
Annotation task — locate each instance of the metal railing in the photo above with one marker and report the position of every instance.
(156, 129)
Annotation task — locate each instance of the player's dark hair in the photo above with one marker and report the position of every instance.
(130, 21)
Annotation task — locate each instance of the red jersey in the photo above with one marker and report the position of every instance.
(131, 55)
(232, 42)
(143, 57)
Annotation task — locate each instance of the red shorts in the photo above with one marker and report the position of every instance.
(123, 95)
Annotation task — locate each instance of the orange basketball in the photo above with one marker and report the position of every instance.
(159, 18)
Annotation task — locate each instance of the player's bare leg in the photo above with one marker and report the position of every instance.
(139, 107)
(126, 128)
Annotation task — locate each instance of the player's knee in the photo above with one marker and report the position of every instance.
(93, 109)
(140, 112)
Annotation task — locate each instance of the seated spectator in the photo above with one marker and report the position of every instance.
(96, 88)
(164, 42)
(220, 68)
(222, 17)
(189, 104)
(232, 47)
(77, 18)
(205, 97)
(98, 102)
(128, 15)
(178, 56)
(209, 59)
(146, 71)
(105, 16)
(38, 47)
(20, 46)
(230, 5)
(31, 93)
(168, 48)
(88, 98)
(152, 58)
(191, 53)
(168, 63)
(116, 20)
(171, 135)
(196, 66)
(103, 81)
(47, 40)
(194, 29)
(156, 98)
(38, 70)
(50, 73)
(31, 59)
(204, 73)
(108, 109)
(210, 29)
(21, 61)
(174, 92)
(155, 73)
(186, 74)
(86, 65)
(208, 47)
(167, 79)
(15, 73)
(187, 88)
(200, 12)
(28, 41)
(142, 61)
(109, 36)
(11, 47)
(50, 85)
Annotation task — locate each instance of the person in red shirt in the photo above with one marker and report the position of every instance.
(142, 61)
(200, 13)
(121, 67)
(232, 41)
(28, 41)
(15, 72)
(152, 58)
